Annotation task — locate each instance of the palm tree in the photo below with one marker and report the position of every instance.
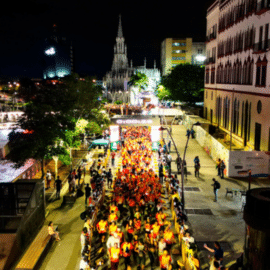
(138, 80)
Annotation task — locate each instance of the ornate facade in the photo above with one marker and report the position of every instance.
(237, 89)
(117, 78)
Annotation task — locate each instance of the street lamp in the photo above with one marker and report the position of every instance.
(163, 108)
(183, 160)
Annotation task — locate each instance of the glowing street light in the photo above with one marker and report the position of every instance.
(50, 51)
(200, 58)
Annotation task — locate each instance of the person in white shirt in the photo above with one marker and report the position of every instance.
(112, 240)
(188, 239)
(84, 264)
(161, 246)
(83, 238)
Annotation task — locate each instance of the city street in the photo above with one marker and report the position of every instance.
(224, 223)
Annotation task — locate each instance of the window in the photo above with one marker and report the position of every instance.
(266, 34)
(178, 51)
(212, 95)
(263, 80)
(261, 71)
(179, 58)
(258, 75)
(259, 107)
(207, 76)
(212, 75)
(175, 44)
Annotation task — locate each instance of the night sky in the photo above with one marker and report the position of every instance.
(92, 27)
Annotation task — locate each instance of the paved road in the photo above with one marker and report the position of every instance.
(225, 225)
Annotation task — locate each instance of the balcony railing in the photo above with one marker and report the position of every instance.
(262, 6)
(261, 46)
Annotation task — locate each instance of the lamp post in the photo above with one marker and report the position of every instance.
(183, 160)
(163, 108)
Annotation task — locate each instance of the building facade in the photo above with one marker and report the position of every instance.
(198, 54)
(237, 86)
(58, 57)
(180, 51)
(116, 79)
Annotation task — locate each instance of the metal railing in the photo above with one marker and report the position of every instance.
(261, 46)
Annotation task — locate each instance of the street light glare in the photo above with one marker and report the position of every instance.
(200, 58)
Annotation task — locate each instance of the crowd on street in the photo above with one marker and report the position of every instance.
(137, 230)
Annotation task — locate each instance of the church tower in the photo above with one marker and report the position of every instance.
(120, 61)
(117, 79)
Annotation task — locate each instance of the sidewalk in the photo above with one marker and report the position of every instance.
(226, 224)
(66, 254)
(63, 172)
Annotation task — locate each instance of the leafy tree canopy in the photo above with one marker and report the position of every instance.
(162, 92)
(139, 80)
(185, 83)
(52, 113)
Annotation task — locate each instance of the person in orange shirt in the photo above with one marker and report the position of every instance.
(137, 223)
(130, 230)
(112, 228)
(131, 203)
(102, 227)
(160, 217)
(112, 217)
(169, 238)
(113, 208)
(156, 228)
(165, 261)
(126, 249)
(114, 253)
(147, 227)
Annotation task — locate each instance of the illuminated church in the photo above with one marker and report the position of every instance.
(118, 77)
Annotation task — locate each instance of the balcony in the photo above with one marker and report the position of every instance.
(211, 60)
(261, 46)
(262, 7)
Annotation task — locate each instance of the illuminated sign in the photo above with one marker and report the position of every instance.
(114, 133)
(50, 51)
(155, 133)
(134, 121)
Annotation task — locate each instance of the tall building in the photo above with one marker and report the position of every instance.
(58, 56)
(180, 51)
(117, 78)
(237, 90)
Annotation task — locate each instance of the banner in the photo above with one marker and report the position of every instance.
(240, 162)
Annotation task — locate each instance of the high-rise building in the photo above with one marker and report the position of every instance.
(58, 56)
(180, 51)
(237, 90)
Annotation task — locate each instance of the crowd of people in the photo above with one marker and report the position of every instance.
(136, 230)
(136, 227)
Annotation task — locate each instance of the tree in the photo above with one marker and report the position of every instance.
(139, 80)
(185, 83)
(85, 93)
(48, 114)
(51, 114)
(162, 93)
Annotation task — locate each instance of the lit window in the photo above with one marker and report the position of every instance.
(176, 44)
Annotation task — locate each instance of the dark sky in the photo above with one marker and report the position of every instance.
(92, 27)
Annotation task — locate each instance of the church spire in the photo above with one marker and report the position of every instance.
(120, 32)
